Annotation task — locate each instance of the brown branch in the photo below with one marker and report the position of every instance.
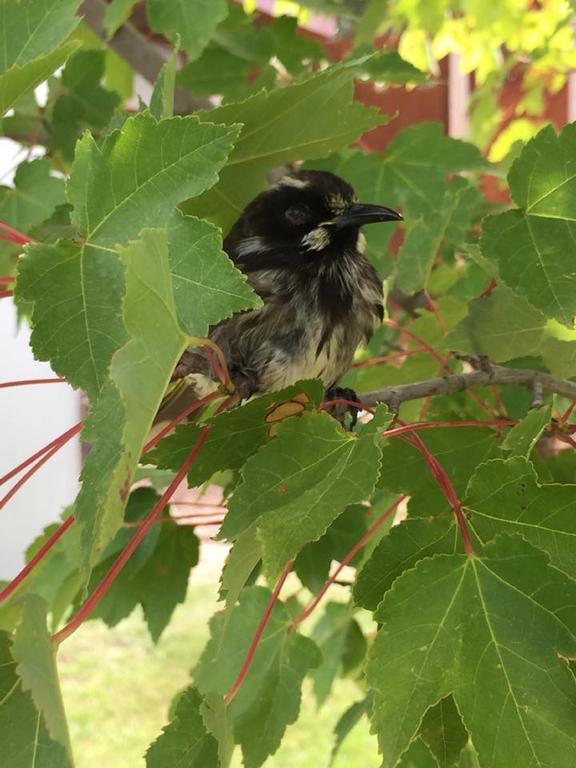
(142, 55)
(536, 381)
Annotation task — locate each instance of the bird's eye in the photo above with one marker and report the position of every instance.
(298, 214)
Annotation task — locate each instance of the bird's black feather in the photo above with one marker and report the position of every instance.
(299, 245)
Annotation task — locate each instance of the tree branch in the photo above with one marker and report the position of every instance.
(536, 381)
(142, 55)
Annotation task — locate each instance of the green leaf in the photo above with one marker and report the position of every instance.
(244, 556)
(156, 577)
(32, 45)
(217, 71)
(139, 374)
(242, 35)
(459, 451)
(503, 326)
(505, 496)
(444, 733)
(138, 175)
(291, 47)
(412, 174)
(33, 651)
(313, 563)
(207, 286)
(76, 325)
(523, 437)
(17, 81)
(458, 207)
(25, 739)
(85, 103)
(194, 21)
(533, 246)
(32, 28)
(269, 698)
(495, 632)
(330, 635)
(185, 740)
(534, 260)
(418, 755)
(302, 121)
(240, 47)
(406, 544)
(417, 162)
(162, 99)
(299, 483)
(234, 435)
(163, 581)
(389, 67)
(35, 195)
(348, 720)
(117, 12)
(543, 178)
(52, 575)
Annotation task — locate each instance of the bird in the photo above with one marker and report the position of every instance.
(300, 245)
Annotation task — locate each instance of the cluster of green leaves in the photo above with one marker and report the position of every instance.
(530, 45)
(460, 661)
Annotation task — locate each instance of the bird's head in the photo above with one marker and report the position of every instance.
(306, 214)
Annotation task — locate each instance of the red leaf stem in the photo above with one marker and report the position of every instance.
(257, 636)
(395, 431)
(388, 358)
(92, 601)
(446, 486)
(568, 412)
(19, 237)
(10, 239)
(56, 445)
(215, 363)
(6, 294)
(186, 412)
(223, 365)
(59, 441)
(42, 552)
(26, 382)
(424, 344)
(5, 279)
(344, 562)
(433, 307)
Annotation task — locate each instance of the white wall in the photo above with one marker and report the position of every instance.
(30, 417)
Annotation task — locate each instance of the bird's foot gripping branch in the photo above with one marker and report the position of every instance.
(428, 554)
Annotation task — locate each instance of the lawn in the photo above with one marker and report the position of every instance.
(117, 689)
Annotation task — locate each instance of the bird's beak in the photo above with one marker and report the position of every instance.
(365, 213)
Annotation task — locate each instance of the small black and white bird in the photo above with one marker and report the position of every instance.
(301, 247)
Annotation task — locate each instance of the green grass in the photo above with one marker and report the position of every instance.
(117, 688)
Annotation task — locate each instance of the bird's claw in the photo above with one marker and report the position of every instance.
(347, 407)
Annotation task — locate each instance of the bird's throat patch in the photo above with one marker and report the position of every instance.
(317, 239)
